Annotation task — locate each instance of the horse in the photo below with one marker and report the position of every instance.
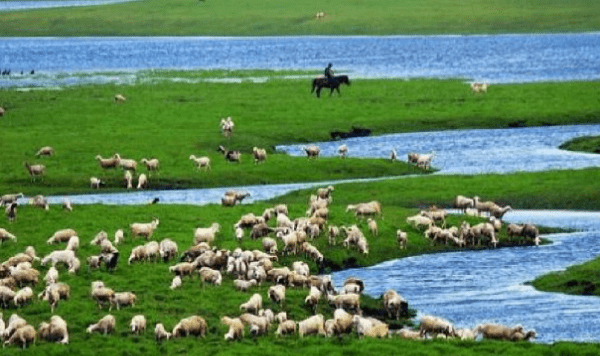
(332, 83)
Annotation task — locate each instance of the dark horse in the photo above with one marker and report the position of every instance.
(332, 83)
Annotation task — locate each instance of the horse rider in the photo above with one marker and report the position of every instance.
(328, 72)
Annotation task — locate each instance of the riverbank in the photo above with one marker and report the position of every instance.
(268, 18)
(138, 128)
(575, 280)
(589, 144)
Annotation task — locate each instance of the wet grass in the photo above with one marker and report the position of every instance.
(171, 121)
(270, 17)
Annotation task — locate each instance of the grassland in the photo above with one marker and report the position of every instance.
(589, 144)
(171, 121)
(271, 17)
(582, 279)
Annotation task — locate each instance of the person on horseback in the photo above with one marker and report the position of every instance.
(328, 72)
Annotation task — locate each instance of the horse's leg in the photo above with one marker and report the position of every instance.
(338, 90)
(319, 92)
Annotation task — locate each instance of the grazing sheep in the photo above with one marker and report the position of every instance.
(277, 293)
(260, 155)
(183, 268)
(343, 151)
(5, 235)
(123, 299)
(465, 334)
(286, 327)
(484, 206)
(168, 249)
(100, 236)
(477, 88)
(35, 170)
(61, 236)
(51, 276)
(211, 275)
(236, 328)
(160, 333)
(144, 229)
(40, 201)
(409, 334)
(176, 282)
(259, 325)
(312, 151)
(341, 323)
(119, 236)
(119, 98)
(372, 226)
(325, 193)
(243, 285)
(312, 325)
(126, 163)
(73, 243)
(434, 325)
(369, 327)
(402, 238)
(206, 234)
(499, 212)
(105, 325)
(107, 163)
(103, 294)
(107, 246)
(201, 162)
(151, 165)
(193, 325)
(532, 232)
(23, 336)
(498, 332)
(484, 230)
(312, 300)
(7, 295)
(349, 302)
(142, 181)
(128, 178)
(138, 324)
(24, 275)
(253, 304)
(270, 245)
(370, 208)
(463, 203)
(54, 292)
(8, 199)
(229, 155)
(95, 183)
(94, 262)
(394, 304)
(419, 220)
(15, 322)
(67, 205)
(45, 151)
(514, 230)
(55, 331)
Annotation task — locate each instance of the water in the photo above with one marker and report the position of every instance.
(28, 5)
(474, 287)
(494, 59)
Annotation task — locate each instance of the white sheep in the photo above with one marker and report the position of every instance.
(35, 170)
(8, 199)
(142, 181)
(236, 328)
(349, 302)
(243, 285)
(435, 325)
(160, 333)
(64, 256)
(67, 205)
(312, 151)
(260, 155)
(51, 276)
(40, 201)
(419, 220)
(73, 243)
(151, 164)
(95, 183)
(479, 87)
(312, 325)
(128, 178)
(23, 336)
(168, 249)
(119, 98)
(211, 275)
(206, 234)
(138, 324)
(107, 163)
(55, 331)
(193, 325)
(123, 298)
(463, 203)
(126, 163)
(201, 162)
(499, 332)
(61, 236)
(269, 245)
(100, 236)
(144, 229)
(372, 224)
(105, 325)
(23, 296)
(176, 282)
(259, 325)
(369, 326)
(5, 235)
(313, 298)
(286, 327)
(119, 236)
(45, 151)
(277, 293)
(253, 304)
(343, 151)
(394, 304)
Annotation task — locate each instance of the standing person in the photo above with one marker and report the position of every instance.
(328, 72)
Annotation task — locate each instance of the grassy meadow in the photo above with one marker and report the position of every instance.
(580, 279)
(589, 144)
(271, 17)
(170, 121)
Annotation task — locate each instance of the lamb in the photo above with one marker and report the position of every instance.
(499, 332)
(312, 300)
(253, 304)
(124, 298)
(40, 201)
(73, 244)
(402, 238)
(23, 296)
(128, 178)
(105, 325)
(142, 181)
(231, 156)
(5, 235)
(193, 325)
(244, 286)
(8, 199)
(462, 203)
(23, 336)
(260, 155)
(151, 165)
(119, 236)
(138, 324)
(55, 331)
(206, 234)
(201, 162)
(211, 275)
(312, 325)
(343, 151)
(372, 226)
(236, 328)
(144, 229)
(176, 283)
(434, 325)
(394, 304)
(168, 249)
(286, 327)
(312, 151)
(126, 163)
(35, 170)
(119, 98)
(61, 236)
(107, 163)
(277, 293)
(51, 276)
(160, 333)
(45, 151)
(259, 325)
(95, 183)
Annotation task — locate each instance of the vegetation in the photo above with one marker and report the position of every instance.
(271, 17)
(171, 121)
(590, 144)
(583, 279)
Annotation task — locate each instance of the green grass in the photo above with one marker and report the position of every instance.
(171, 121)
(271, 17)
(582, 279)
(589, 144)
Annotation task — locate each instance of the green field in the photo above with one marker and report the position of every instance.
(271, 17)
(581, 279)
(170, 121)
(589, 144)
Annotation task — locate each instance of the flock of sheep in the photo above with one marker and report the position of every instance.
(281, 235)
